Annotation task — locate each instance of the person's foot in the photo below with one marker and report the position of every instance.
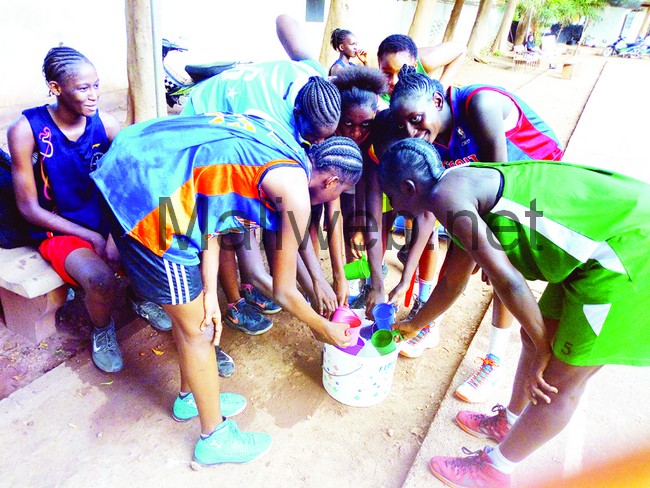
(225, 363)
(484, 426)
(475, 470)
(478, 387)
(185, 408)
(360, 301)
(427, 338)
(255, 298)
(106, 353)
(403, 254)
(243, 316)
(417, 305)
(227, 444)
(154, 314)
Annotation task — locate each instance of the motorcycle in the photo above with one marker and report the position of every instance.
(625, 49)
(179, 82)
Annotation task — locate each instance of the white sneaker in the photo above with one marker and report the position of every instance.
(427, 338)
(478, 387)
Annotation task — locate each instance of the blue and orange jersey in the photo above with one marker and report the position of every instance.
(174, 181)
(531, 138)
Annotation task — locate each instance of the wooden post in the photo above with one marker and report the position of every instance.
(143, 100)
(420, 30)
(336, 17)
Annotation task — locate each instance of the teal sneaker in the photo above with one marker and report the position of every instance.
(154, 314)
(185, 408)
(227, 444)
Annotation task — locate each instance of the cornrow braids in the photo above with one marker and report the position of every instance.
(360, 86)
(385, 132)
(60, 61)
(338, 37)
(397, 43)
(319, 101)
(340, 155)
(412, 84)
(410, 159)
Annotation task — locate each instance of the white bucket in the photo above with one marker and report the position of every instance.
(357, 381)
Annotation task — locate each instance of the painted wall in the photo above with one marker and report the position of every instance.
(608, 28)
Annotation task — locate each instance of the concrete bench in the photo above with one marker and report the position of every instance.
(30, 292)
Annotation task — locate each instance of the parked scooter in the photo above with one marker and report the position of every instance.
(624, 49)
(179, 82)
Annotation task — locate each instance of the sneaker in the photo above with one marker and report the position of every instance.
(154, 314)
(225, 363)
(476, 470)
(360, 301)
(255, 298)
(227, 444)
(478, 387)
(185, 408)
(355, 289)
(106, 353)
(427, 338)
(243, 316)
(483, 426)
(417, 305)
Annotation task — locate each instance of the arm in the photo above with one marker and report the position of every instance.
(335, 242)
(289, 187)
(486, 113)
(373, 237)
(293, 40)
(323, 291)
(21, 146)
(111, 125)
(209, 273)
(448, 55)
(426, 222)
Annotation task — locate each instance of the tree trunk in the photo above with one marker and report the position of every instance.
(453, 20)
(501, 40)
(522, 28)
(476, 36)
(142, 103)
(336, 17)
(420, 30)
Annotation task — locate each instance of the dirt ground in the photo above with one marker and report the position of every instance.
(317, 438)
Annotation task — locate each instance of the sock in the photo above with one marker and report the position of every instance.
(425, 289)
(101, 329)
(183, 394)
(498, 341)
(500, 462)
(219, 427)
(512, 417)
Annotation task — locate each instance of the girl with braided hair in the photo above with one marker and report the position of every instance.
(466, 124)
(56, 196)
(524, 221)
(345, 43)
(176, 187)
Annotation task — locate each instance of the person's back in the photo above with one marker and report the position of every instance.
(264, 89)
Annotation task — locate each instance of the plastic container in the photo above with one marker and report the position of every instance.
(356, 380)
(359, 268)
(384, 314)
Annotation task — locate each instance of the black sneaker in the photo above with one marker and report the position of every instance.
(255, 298)
(245, 317)
(154, 314)
(225, 363)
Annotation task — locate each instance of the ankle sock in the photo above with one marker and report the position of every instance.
(500, 462)
(183, 394)
(512, 417)
(102, 329)
(498, 341)
(424, 289)
(218, 427)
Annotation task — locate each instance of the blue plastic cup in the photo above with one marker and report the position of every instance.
(384, 314)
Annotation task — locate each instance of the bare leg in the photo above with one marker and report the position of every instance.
(98, 281)
(197, 360)
(501, 316)
(228, 275)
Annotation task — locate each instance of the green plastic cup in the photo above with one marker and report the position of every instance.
(384, 341)
(359, 268)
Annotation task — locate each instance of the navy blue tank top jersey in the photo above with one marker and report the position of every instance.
(62, 168)
(530, 139)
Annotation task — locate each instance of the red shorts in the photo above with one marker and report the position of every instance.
(56, 249)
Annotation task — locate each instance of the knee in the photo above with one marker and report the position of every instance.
(101, 283)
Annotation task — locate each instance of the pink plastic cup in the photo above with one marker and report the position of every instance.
(344, 315)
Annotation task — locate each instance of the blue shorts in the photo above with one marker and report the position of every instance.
(153, 277)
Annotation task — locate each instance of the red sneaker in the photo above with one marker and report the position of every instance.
(474, 471)
(483, 426)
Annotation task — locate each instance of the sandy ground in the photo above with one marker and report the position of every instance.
(109, 430)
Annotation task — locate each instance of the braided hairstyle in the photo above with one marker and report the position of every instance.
(338, 37)
(385, 132)
(360, 86)
(412, 84)
(410, 159)
(60, 63)
(397, 43)
(339, 155)
(319, 102)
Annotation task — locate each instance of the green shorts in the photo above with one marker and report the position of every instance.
(603, 319)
